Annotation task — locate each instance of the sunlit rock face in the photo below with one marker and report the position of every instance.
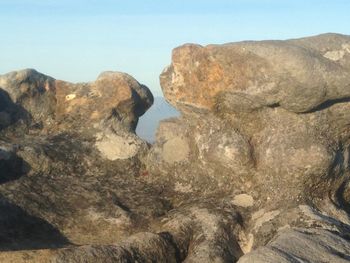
(264, 124)
(257, 116)
(107, 109)
(298, 75)
(255, 169)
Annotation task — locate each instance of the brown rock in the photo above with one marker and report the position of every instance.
(298, 75)
(112, 95)
(258, 162)
(68, 158)
(266, 120)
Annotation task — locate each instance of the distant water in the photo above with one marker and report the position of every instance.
(148, 123)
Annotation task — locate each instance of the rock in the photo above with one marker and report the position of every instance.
(175, 150)
(209, 234)
(113, 95)
(257, 74)
(191, 151)
(106, 110)
(27, 256)
(207, 227)
(302, 245)
(204, 232)
(251, 115)
(243, 200)
(30, 95)
(265, 127)
(69, 156)
(256, 168)
(118, 145)
(142, 247)
(11, 165)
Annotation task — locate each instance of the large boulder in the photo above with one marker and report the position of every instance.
(69, 160)
(302, 245)
(264, 125)
(267, 113)
(27, 97)
(299, 75)
(106, 110)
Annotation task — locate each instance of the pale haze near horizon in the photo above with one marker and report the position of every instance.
(76, 40)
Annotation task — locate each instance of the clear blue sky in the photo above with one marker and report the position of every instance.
(75, 40)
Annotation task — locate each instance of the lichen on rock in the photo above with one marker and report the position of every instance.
(256, 168)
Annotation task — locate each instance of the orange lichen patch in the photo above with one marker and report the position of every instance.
(96, 100)
(198, 74)
(185, 52)
(215, 73)
(193, 64)
(113, 90)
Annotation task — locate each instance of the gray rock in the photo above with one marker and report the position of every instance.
(302, 245)
(256, 169)
(69, 157)
(265, 120)
(298, 75)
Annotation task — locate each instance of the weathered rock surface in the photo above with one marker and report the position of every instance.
(256, 169)
(68, 158)
(302, 245)
(299, 75)
(264, 126)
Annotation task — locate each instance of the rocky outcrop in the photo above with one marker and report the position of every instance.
(107, 109)
(264, 125)
(256, 168)
(298, 75)
(69, 157)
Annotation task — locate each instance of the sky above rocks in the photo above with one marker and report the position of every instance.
(75, 40)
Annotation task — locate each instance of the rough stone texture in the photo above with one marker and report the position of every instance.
(68, 158)
(73, 186)
(257, 150)
(267, 128)
(302, 245)
(298, 75)
(256, 169)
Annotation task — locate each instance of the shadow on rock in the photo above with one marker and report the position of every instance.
(11, 112)
(22, 231)
(12, 167)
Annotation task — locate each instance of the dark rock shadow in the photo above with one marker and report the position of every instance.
(340, 193)
(22, 231)
(12, 167)
(11, 112)
(328, 104)
(19, 230)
